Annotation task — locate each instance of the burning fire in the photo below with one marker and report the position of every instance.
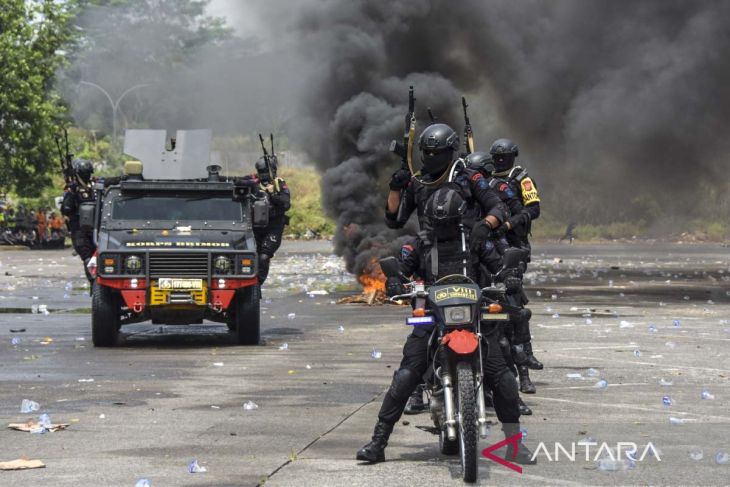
(372, 277)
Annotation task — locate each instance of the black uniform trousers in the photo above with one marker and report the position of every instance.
(83, 244)
(413, 366)
(268, 241)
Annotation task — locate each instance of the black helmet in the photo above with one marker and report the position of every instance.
(504, 152)
(480, 161)
(262, 169)
(437, 144)
(83, 169)
(444, 210)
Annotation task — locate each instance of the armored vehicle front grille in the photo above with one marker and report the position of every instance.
(179, 264)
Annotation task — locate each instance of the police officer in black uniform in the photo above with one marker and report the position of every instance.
(77, 192)
(268, 239)
(438, 145)
(519, 193)
(439, 251)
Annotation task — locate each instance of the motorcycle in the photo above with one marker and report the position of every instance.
(459, 311)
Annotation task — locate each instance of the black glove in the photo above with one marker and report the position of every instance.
(393, 286)
(400, 179)
(500, 231)
(481, 232)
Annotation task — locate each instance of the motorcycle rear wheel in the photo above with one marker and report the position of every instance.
(468, 435)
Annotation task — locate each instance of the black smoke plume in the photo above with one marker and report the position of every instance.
(620, 108)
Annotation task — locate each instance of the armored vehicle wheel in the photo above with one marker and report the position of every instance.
(246, 318)
(105, 321)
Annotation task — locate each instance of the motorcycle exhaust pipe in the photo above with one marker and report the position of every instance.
(449, 407)
(483, 426)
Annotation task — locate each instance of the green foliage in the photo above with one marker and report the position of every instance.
(306, 212)
(32, 38)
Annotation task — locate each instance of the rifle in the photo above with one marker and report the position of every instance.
(468, 134)
(276, 162)
(431, 115)
(267, 157)
(405, 149)
(66, 159)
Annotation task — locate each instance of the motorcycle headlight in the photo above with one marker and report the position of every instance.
(133, 264)
(455, 315)
(222, 264)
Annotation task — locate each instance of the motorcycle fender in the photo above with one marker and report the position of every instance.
(461, 341)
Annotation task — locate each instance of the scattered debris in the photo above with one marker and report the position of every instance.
(194, 467)
(696, 453)
(707, 395)
(21, 464)
(28, 406)
(38, 426)
(250, 405)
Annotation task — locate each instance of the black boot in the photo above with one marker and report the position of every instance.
(374, 451)
(524, 455)
(526, 385)
(532, 362)
(415, 403)
(524, 408)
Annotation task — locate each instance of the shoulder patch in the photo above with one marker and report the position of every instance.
(529, 191)
(406, 251)
(477, 176)
(489, 245)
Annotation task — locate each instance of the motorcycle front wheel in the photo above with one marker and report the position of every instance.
(468, 435)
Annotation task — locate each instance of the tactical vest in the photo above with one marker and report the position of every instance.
(441, 259)
(508, 189)
(422, 193)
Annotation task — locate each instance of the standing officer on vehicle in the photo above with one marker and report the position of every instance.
(75, 193)
(438, 252)
(519, 193)
(268, 238)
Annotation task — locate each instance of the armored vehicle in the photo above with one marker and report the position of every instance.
(175, 242)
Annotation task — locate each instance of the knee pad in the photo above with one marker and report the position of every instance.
(264, 258)
(507, 386)
(404, 382)
(525, 314)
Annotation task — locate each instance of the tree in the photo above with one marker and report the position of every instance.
(33, 35)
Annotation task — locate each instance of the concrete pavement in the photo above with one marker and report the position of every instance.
(167, 400)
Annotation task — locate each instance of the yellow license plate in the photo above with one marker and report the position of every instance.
(495, 316)
(169, 284)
